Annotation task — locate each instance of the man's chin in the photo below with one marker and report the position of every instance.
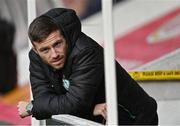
(58, 67)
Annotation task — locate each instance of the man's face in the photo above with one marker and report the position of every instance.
(52, 50)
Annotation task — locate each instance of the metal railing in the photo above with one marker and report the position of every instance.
(70, 121)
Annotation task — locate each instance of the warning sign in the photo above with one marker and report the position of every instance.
(156, 75)
(149, 41)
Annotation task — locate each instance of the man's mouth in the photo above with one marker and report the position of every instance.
(58, 62)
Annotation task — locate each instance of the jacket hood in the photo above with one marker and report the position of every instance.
(68, 22)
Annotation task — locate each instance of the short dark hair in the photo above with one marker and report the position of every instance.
(40, 28)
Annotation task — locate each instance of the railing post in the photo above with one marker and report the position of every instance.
(31, 9)
(110, 76)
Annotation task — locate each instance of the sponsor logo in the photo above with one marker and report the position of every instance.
(166, 31)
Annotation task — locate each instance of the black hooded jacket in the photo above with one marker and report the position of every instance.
(84, 71)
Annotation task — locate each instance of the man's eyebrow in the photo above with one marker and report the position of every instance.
(59, 40)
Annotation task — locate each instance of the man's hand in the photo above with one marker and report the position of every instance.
(22, 109)
(100, 109)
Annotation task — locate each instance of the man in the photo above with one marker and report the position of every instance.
(67, 75)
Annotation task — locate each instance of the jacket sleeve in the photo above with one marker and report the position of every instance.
(87, 74)
(39, 83)
(148, 114)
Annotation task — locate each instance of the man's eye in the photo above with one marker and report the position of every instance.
(58, 44)
(45, 50)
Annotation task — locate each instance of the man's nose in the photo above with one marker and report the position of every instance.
(53, 53)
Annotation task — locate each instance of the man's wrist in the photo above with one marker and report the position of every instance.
(29, 108)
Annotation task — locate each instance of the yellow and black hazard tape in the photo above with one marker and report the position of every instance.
(155, 75)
